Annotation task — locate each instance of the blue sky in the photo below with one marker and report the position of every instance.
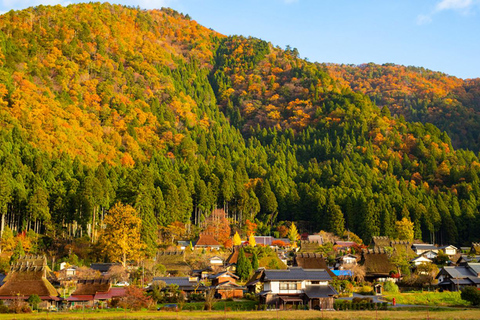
(441, 35)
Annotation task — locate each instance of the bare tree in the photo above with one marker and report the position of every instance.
(210, 299)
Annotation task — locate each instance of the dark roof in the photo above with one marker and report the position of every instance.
(103, 267)
(319, 291)
(91, 287)
(312, 261)
(207, 240)
(424, 246)
(297, 273)
(184, 283)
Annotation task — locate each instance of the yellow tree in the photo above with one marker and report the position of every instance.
(293, 235)
(251, 240)
(405, 229)
(121, 236)
(236, 239)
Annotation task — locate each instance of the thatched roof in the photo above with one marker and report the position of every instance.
(91, 287)
(377, 263)
(312, 261)
(475, 249)
(27, 277)
(381, 242)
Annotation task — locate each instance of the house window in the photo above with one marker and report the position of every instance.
(288, 286)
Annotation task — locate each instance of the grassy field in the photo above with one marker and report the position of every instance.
(428, 298)
(247, 315)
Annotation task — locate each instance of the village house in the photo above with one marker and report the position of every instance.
(216, 261)
(430, 254)
(456, 277)
(269, 240)
(207, 241)
(103, 267)
(420, 248)
(449, 250)
(344, 245)
(28, 276)
(345, 262)
(475, 248)
(183, 245)
(90, 293)
(377, 265)
(186, 284)
(225, 285)
(419, 260)
(231, 262)
(296, 286)
(307, 260)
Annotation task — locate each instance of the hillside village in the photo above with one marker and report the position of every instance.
(296, 270)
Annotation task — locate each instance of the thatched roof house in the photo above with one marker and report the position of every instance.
(380, 241)
(28, 276)
(312, 261)
(377, 264)
(475, 249)
(87, 289)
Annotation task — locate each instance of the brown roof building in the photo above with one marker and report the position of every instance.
(377, 264)
(28, 276)
(207, 241)
(312, 261)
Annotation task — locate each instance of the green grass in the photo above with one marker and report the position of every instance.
(428, 298)
(241, 305)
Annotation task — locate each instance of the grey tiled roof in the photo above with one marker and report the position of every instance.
(297, 274)
(182, 282)
(318, 291)
(475, 267)
(424, 246)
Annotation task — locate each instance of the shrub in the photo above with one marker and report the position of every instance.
(390, 286)
(366, 290)
(472, 295)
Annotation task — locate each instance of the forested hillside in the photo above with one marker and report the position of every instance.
(418, 94)
(103, 103)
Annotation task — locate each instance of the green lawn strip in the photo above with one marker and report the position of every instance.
(428, 298)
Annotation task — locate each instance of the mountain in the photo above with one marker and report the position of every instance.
(450, 103)
(103, 103)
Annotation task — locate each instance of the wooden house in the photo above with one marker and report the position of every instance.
(296, 286)
(185, 284)
(207, 241)
(28, 276)
(225, 285)
(84, 294)
(346, 262)
(457, 277)
(449, 250)
(311, 261)
(420, 248)
(377, 265)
